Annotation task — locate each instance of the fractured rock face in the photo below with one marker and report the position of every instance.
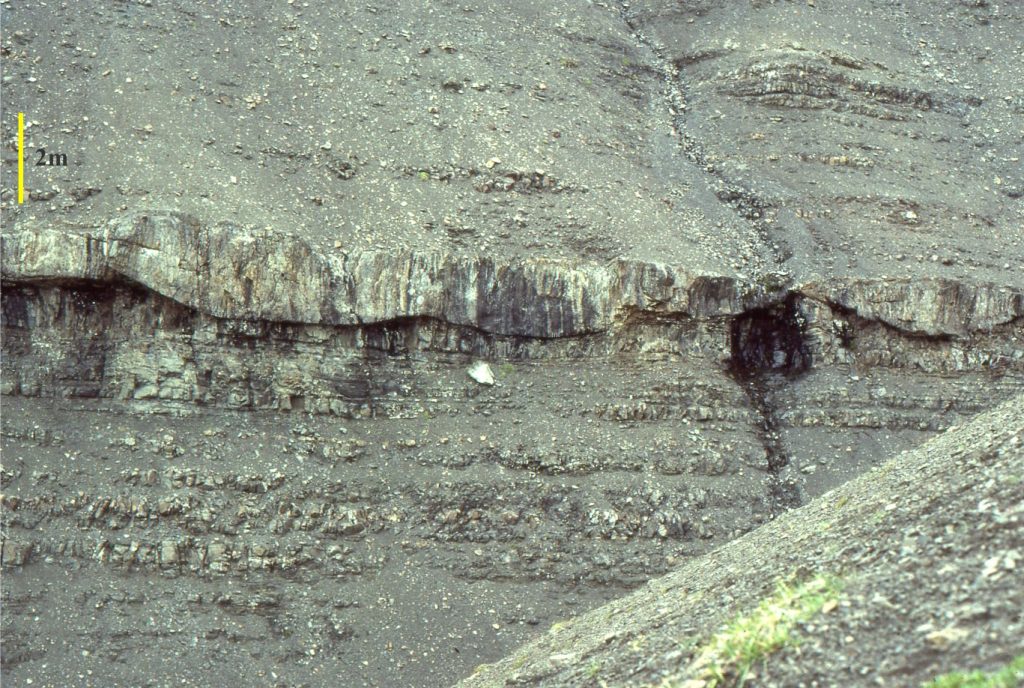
(230, 272)
(715, 258)
(167, 277)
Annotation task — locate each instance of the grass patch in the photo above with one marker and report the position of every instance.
(726, 659)
(1010, 676)
(559, 626)
(520, 661)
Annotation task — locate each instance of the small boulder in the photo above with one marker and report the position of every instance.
(481, 373)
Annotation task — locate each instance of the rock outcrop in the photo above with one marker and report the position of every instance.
(336, 308)
(230, 273)
(166, 276)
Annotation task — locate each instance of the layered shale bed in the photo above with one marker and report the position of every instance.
(297, 435)
(358, 343)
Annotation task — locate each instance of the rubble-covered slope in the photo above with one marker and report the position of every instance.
(866, 139)
(923, 550)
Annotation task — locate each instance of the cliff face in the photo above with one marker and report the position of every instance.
(227, 272)
(230, 273)
(177, 311)
(641, 415)
(427, 304)
(163, 313)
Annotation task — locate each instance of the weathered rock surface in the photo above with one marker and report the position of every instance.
(718, 258)
(869, 139)
(207, 292)
(311, 543)
(228, 272)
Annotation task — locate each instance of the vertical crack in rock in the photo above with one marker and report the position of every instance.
(769, 348)
(768, 345)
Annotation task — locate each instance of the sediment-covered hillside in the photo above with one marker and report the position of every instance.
(904, 574)
(717, 258)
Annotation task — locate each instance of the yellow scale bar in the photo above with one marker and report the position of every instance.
(21, 157)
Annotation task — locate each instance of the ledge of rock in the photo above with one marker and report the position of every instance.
(932, 307)
(230, 272)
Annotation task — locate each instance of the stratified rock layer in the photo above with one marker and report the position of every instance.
(228, 272)
(164, 311)
(718, 257)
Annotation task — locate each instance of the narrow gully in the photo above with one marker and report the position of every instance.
(768, 350)
(768, 346)
(740, 199)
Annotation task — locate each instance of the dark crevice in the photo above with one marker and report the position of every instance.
(768, 349)
(770, 339)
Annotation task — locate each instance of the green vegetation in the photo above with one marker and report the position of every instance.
(1010, 676)
(728, 656)
(520, 661)
(424, 176)
(505, 370)
(559, 626)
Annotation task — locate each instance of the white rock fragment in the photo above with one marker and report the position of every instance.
(945, 637)
(481, 372)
